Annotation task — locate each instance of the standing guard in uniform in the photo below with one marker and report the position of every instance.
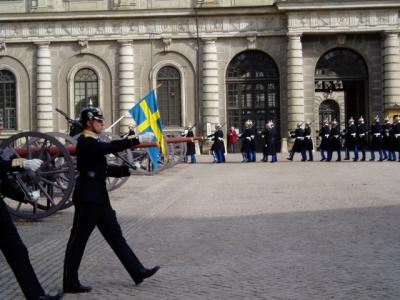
(350, 135)
(11, 244)
(246, 143)
(190, 147)
(324, 137)
(92, 203)
(388, 152)
(218, 145)
(376, 140)
(396, 137)
(308, 143)
(253, 141)
(335, 144)
(362, 137)
(269, 138)
(298, 145)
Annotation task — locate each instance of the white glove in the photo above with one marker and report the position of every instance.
(266, 146)
(146, 137)
(35, 195)
(248, 138)
(221, 139)
(32, 164)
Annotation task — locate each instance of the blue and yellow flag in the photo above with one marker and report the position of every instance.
(147, 118)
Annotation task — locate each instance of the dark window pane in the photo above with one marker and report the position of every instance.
(8, 102)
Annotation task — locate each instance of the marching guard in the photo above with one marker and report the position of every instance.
(253, 141)
(335, 144)
(324, 137)
(308, 143)
(376, 140)
(362, 137)
(269, 136)
(92, 203)
(218, 146)
(246, 143)
(396, 137)
(388, 151)
(298, 145)
(350, 140)
(190, 146)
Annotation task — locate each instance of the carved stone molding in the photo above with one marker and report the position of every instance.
(251, 41)
(3, 48)
(365, 20)
(180, 27)
(341, 39)
(167, 41)
(84, 44)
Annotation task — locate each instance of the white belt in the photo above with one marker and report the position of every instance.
(361, 134)
(377, 134)
(308, 136)
(353, 134)
(299, 138)
(387, 134)
(336, 136)
(397, 135)
(326, 135)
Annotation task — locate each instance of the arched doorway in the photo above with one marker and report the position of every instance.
(329, 110)
(344, 70)
(8, 100)
(169, 96)
(252, 86)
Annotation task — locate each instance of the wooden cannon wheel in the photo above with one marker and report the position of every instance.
(54, 180)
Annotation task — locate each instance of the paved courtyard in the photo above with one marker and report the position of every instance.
(289, 230)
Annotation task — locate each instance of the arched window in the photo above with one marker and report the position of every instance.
(86, 89)
(346, 71)
(252, 85)
(169, 96)
(8, 99)
(328, 110)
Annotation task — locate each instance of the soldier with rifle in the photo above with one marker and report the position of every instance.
(377, 140)
(190, 147)
(388, 152)
(308, 143)
(362, 137)
(335, 144)
(269, 136)
(324, 138)
(11, 244)
(350, 138)
(218, 146)
(298, 145)
(92, 203)
(246, 143)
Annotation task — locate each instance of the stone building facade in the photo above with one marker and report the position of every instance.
(211, 61)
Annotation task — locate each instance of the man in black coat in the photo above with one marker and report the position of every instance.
(335, 144)
(350, 135)
(190, 147)
(388, 152)
(11, 244)
(247, 142)
(324, 137)
(298, 145)
(362, 137)
(376, 139)
(92, 203)
(269, 136)
(395, 133)
(308, 143)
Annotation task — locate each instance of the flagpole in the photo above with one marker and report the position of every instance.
(116, 122)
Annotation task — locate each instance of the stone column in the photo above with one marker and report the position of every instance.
(211, 99)
(295, 81)
(44, 94)
(391, 70)
(126, 83)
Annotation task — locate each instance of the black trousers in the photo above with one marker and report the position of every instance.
(87, 217)
(17, 256)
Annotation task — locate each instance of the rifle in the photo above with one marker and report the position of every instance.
(75, 126)
(208, 136)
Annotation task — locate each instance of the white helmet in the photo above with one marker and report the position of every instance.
(376, 119)
(351, 121)
(361, 120)
(217, 126)
(387, 119)
(334, 122)
(299, 124)
(326, 122)
(308, 123)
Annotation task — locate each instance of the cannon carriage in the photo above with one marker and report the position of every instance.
(55, 179)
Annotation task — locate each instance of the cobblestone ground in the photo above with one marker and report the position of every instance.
(289, 230)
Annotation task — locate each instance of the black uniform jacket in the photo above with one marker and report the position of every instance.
(190, 147)
(324, 134)
(7, 188)
(92, 166)
(351, 136)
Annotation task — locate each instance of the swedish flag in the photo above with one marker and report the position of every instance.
(147, 118)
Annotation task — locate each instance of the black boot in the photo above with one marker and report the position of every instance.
(146, 273)
(77, 288)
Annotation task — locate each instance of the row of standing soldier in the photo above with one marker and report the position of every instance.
(384, 139)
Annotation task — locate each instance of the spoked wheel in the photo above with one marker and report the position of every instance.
(70, 143)
(53, 182)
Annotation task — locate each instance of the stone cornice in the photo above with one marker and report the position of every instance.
(143, 29)
(344, 21)
(137, 14)
(320, 5)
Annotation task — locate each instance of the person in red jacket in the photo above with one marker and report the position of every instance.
(232, 139)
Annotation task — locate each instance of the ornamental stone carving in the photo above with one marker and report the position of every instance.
(3, 48)
(84, 44)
